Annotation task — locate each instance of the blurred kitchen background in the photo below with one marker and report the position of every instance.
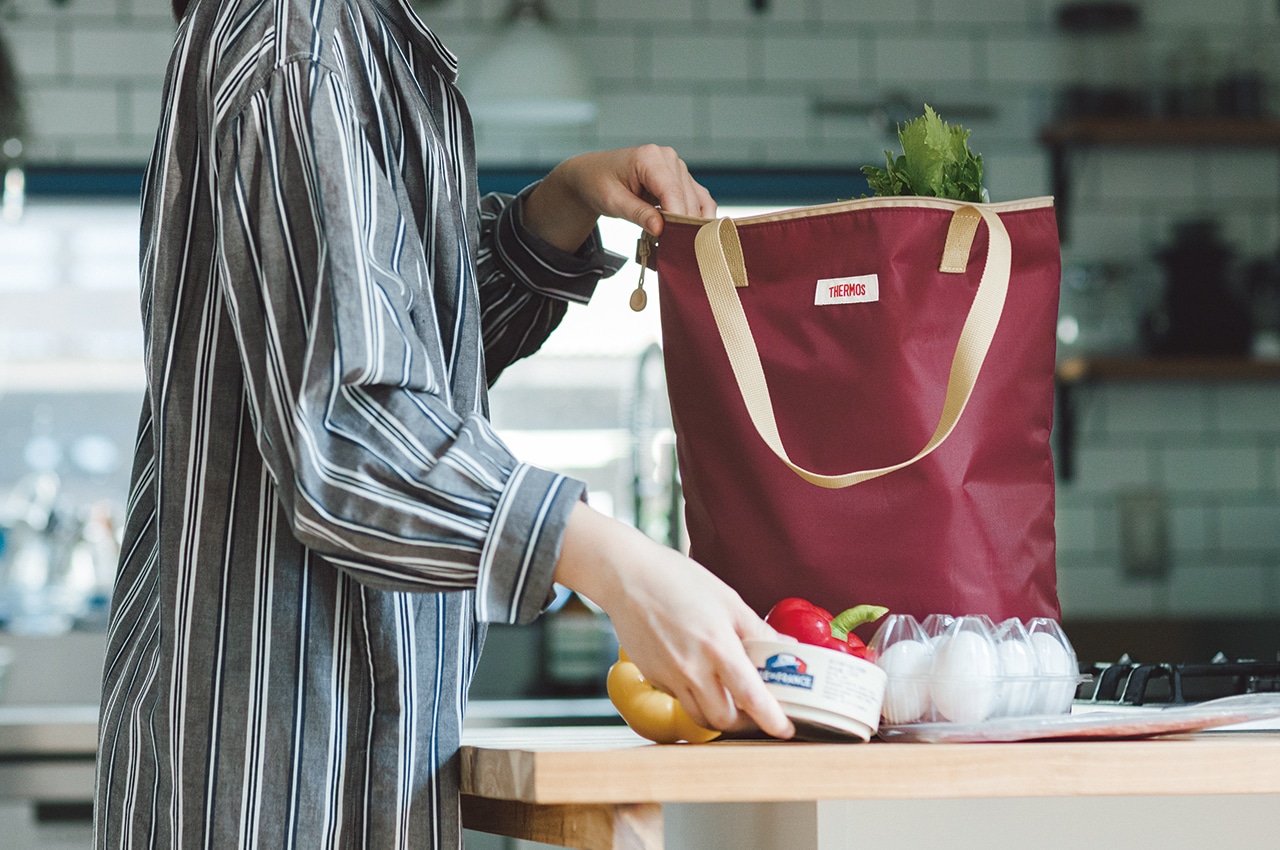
(1153, 123)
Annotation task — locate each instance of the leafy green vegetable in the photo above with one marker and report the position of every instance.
(936, 162)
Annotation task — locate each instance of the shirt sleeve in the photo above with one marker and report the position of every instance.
(346, 370)
(526, 284)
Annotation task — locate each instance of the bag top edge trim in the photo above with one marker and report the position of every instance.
(871, 203)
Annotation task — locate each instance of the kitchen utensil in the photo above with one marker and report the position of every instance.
(1202, 313)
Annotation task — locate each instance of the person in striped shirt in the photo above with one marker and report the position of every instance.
(321, 520)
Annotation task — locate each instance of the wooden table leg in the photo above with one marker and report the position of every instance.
(622, 826)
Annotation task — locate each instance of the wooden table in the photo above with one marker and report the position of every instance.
(603, 788)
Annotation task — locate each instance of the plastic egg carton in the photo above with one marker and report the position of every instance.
(968, 669)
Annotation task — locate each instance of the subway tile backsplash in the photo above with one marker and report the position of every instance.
(728, 86)
(1210, 451)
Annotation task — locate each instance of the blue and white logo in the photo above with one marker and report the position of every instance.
(787, 669)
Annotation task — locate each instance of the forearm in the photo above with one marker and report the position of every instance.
(681, 625)
(590, 553)
(558, 215)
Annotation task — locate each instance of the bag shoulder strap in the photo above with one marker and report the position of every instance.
(723, 270)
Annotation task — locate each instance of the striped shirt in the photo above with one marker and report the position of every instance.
(321, 520)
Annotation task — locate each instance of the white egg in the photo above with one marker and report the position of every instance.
(1057, 674)
(906, 697)
(1017, 672)
(965, 678)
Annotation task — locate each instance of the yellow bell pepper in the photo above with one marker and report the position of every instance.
(651, 713)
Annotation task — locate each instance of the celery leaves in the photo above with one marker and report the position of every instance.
(935, 162)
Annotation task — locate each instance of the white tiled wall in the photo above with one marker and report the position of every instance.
(726, 85)
(1212, 451)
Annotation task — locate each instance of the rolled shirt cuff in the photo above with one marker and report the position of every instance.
(518, 560)
(545, 268)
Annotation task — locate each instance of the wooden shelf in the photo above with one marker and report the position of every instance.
(1160, 132)
(1078, 370)
(1137, 368)
(1060, 137)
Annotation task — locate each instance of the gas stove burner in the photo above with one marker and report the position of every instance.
(1127, 682)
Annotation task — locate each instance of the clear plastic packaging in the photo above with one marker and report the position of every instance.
(964, 682)
(1224, 713)
(1057, 668)
(1020, 686)
(967, 670)
(903, 650)
(936, 625)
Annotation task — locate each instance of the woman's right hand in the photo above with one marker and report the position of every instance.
(682, 626)
(627, 183)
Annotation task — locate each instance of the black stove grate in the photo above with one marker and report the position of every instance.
(1127, 682)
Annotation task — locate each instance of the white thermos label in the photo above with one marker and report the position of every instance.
(848, 290)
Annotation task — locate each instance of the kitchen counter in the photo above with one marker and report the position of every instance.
(48, 731)
(606, 788)
(47, 751)
(602, 786)
(47, 775)
(60, 732)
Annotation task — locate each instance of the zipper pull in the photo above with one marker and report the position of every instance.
(645, 246)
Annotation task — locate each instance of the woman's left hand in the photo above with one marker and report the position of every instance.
(628, 183)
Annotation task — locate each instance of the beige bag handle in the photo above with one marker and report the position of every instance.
(722, 267)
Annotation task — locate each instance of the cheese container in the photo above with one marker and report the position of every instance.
(826, 693)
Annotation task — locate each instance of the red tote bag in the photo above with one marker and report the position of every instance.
(862, 395)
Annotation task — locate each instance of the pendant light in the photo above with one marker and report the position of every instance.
(530, 77)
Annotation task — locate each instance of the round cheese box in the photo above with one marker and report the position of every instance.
(826, 693)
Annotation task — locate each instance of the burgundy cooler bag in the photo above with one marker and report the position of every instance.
(862, 396)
